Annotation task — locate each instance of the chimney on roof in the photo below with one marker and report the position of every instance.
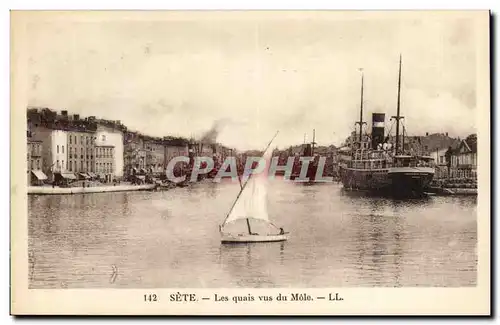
(426, 134)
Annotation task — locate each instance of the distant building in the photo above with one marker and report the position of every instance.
(430, 143)
(464, 158)
(352, 141)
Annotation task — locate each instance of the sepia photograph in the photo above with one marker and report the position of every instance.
(249, 150)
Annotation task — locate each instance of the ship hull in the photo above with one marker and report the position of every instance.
(398, 181)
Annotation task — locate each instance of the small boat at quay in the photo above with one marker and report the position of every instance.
(249, 210)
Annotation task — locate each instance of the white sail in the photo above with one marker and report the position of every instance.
(252, 201)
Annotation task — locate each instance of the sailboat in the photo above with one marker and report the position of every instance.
(250, 205)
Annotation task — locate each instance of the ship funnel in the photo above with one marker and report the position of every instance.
(378, 129)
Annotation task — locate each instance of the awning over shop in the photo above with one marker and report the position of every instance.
(84, 175)
(141, 177)
(67, 175)
(39, 175)
(91, 174)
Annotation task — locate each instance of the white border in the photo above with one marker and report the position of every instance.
(151, 5)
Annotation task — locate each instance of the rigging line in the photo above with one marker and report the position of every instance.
(389, 133)
(244, 185)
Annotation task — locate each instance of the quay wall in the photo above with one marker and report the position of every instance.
(43, 190)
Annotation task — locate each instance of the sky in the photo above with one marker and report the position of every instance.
(255, 74)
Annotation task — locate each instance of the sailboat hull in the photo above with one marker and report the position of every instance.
(247, 238)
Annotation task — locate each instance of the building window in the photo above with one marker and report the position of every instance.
(74, 164)
(103, 137)
(70, 164)
(62, 164)
(57, 148)
(38, 164)
(81, 165)
(32, 164)
(62, 147)
(57, 164)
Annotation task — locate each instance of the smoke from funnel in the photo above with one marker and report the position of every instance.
(210, 137)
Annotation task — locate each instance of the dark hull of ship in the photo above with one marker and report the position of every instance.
(396, 182)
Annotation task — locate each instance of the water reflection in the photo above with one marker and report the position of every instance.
(249, 263)
(171, 239)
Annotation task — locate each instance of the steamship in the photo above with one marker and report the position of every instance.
(373, 164)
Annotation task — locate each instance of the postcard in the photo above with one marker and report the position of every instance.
(250, 163)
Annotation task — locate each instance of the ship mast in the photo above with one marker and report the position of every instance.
(398, 116)
(313, 143)
(360, 122)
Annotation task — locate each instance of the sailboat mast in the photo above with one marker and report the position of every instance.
(248, 225)
(398, 117)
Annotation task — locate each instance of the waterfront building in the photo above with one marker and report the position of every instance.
(66, 141)
(35, 161)
(105, 162)
(110, 134)
(442, 168)
(134, 154)
(174, 149)
(58, 140)
(81, 158)
(464, 158)
(155, 155)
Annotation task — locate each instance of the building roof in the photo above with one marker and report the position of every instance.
(471, 142)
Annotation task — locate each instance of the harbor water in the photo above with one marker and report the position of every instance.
(170, 239)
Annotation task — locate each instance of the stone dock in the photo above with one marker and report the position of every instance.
(47, 190)
(443, 191)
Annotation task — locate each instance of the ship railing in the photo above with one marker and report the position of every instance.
(362, 154)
